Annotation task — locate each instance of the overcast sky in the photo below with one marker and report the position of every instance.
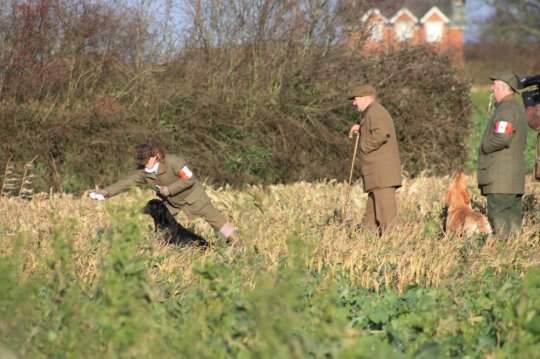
(477, 10)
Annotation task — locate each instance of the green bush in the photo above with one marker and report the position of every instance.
(292, 139)
(244, 104)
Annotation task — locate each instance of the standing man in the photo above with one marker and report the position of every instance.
(379, 160)
(501, 159)
(175, 184)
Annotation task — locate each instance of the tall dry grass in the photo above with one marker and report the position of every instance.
(274, 224)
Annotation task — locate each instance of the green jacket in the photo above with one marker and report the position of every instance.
(183, 190)
(379, 155)
(501, 159)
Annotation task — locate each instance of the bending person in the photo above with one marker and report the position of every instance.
(175, 184)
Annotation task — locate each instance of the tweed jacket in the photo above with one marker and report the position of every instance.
(501, 159)
(380, 164)
(184, 190)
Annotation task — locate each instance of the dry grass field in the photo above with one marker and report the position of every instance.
(417, 252)
(285, 231)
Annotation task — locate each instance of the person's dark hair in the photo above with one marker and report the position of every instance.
(147, 150)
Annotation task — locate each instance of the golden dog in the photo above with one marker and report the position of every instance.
(462, 219)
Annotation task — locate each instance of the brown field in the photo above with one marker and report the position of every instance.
(267, 219)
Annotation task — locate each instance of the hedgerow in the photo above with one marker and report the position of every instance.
(248, 97)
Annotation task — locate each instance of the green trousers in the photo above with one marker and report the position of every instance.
(204, 209)
(504, 213)
(381, 210)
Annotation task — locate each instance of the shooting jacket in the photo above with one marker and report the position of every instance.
(380, 164)
(184, 191)
(501, 158)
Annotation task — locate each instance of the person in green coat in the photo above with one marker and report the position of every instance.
(501, 157)
(380, 164)
(174, 183)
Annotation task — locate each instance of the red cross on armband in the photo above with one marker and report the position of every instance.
(503, 127)
(185, 173)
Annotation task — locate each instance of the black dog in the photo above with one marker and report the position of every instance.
(164, 221)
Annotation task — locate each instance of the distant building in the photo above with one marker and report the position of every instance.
(394, 23)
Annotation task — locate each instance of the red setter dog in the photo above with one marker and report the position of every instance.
(462, 219)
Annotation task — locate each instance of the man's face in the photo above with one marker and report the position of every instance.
(499, 89)
(151, 162)
(361, 103)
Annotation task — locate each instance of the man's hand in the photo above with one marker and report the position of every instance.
(355, 129)
(99, 195)
(103, 192)
(164, 191)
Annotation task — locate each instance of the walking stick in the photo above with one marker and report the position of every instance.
(345, 205)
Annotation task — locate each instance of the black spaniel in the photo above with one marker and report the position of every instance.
(174, 232)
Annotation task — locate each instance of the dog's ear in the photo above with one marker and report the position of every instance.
(450, 192)
(466, 195)
(462, 187)
(457, 190)
(161, 213)
(447, 198)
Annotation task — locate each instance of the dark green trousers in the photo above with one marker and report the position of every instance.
(202, 208)
(381, 210)
(504, 213)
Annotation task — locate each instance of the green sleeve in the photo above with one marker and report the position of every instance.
(499, 141)
(180, 184)
(378, 133)
(134, 179)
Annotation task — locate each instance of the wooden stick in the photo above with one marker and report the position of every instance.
(345, 205)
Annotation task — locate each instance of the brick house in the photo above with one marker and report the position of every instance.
(396, 23)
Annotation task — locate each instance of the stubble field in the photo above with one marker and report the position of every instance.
(81, 278)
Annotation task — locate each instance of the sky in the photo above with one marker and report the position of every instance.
(477, 10)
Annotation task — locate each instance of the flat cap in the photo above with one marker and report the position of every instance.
(507, 77)
(365, 90)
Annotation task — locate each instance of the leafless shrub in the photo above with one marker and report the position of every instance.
(10, 180)
(14, 184)
(487, 57)
(250, 91)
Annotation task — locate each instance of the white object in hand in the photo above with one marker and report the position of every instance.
(96, 196)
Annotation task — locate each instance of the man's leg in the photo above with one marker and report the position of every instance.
(385, 207)
(504, 213)
(215, 218)
(516, 211)
(369, 214)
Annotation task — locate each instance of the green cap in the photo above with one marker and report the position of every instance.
(507, 77)
(365, 90)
